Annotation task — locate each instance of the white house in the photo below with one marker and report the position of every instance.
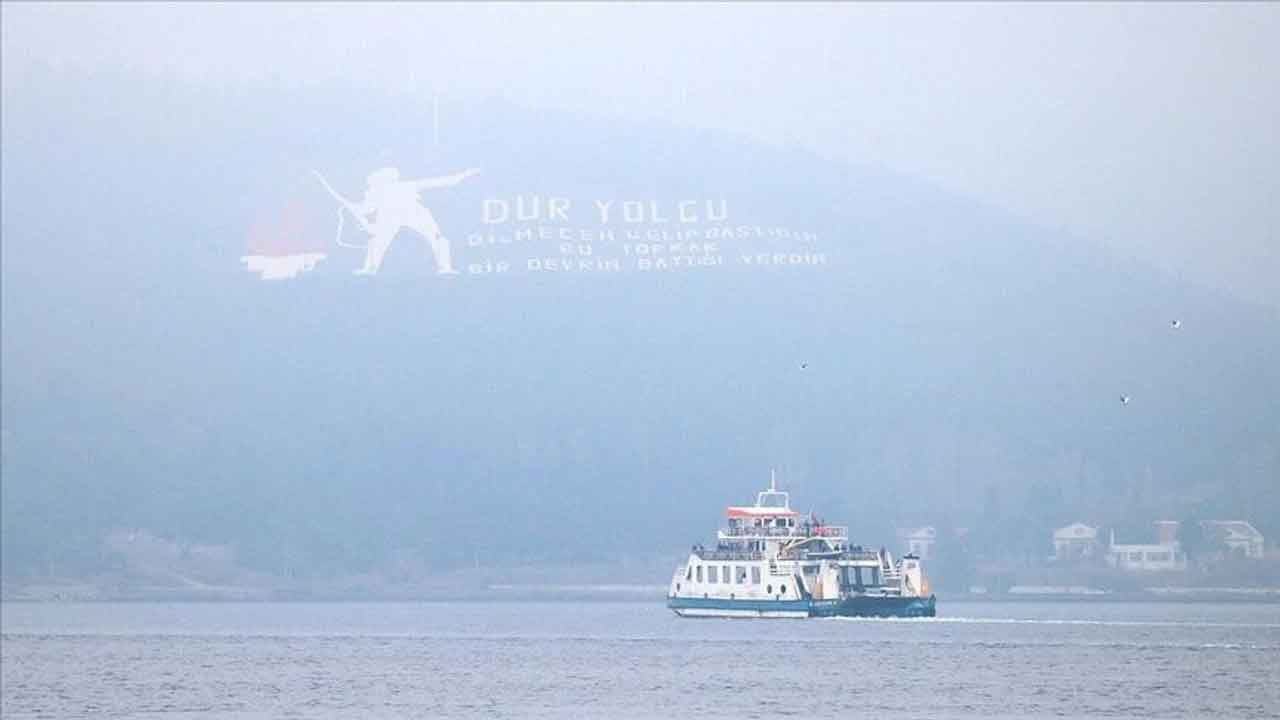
(1075, 541)
(918, 540)
(1148, 557)
(1240, 537)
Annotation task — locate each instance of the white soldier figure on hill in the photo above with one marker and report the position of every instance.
(394, 204)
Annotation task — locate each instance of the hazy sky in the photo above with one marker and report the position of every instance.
(1150, 129)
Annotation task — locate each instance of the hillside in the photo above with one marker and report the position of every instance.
(925, 360)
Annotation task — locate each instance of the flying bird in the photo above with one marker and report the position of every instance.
(804, 365)
(1175, 324)
(1124, 399)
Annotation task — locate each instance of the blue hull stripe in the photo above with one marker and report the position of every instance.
(884, 607)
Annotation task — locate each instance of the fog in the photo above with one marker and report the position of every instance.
(1147, 129)
(924, 261)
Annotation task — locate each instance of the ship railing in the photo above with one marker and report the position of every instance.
(714, 554)
(825, 531)
(729, 555)
(867, 556)
(856, 556)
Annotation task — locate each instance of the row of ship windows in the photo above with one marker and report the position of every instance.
(782, 590)
(715, 572)
(766, 522)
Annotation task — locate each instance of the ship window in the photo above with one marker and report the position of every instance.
(782, 589)
(713, 574)
(724, 573)
(772, 499)
(768, 589)
(699, 573)
(755, 575)
(739, 574)
(688, 573)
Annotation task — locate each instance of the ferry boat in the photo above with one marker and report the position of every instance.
(770, 561)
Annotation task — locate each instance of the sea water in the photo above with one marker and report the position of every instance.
(634, 660)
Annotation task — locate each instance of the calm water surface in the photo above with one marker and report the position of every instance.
(633, 660)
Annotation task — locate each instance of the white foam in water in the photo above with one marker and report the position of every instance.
(1051, 621)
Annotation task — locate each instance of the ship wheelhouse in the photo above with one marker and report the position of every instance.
(771, 525)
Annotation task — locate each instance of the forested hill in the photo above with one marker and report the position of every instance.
(901, 355)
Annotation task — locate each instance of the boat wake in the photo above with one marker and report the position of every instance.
(1058, 621)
